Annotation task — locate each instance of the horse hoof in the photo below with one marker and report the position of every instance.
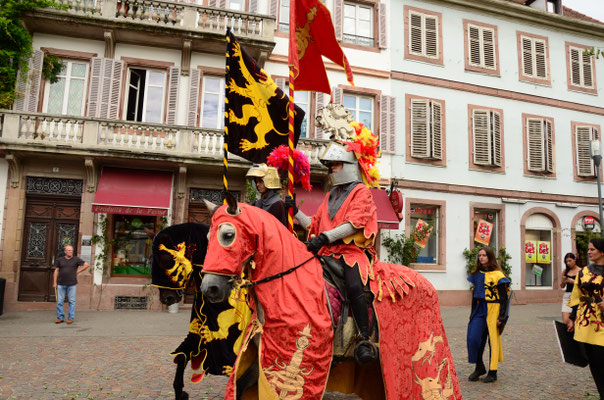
(365, 353)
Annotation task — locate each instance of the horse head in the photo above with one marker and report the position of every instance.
(177, 258)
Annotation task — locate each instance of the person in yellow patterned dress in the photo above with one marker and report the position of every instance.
(489, 313)
(587, 319)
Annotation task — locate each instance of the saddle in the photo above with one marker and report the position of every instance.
(345, 330)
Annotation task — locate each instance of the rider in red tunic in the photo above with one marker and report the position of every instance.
(345, 227)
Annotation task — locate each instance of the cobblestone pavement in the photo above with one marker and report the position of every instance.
(125, 355)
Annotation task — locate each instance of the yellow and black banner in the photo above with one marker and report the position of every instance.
(256, 110)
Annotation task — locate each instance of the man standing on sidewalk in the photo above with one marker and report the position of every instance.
(67, 268)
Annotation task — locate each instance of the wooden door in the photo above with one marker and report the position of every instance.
(50, 224)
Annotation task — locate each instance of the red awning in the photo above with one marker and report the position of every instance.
(309, 202)
(133, 192)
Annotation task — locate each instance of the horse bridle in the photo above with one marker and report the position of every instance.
(273, 277)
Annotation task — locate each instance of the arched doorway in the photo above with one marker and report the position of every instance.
(540, 230)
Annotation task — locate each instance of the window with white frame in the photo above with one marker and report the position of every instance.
(212, 102)
(361, 108)
(302, 100)
(481, 43)
(534, 57)
(486, 132)
(284, 16)
(540, 145)
(581, 68)
(358, 24)
(237, 5)
(583, 136)
(425, 222)
(146, 93)
(423, 35)
(67, 95)
(426, 129)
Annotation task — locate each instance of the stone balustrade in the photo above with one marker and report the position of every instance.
(92, 134)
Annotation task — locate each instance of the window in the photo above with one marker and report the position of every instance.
(583, 134)
(488, 234)
(66, 96)
(212, 102)
(237, 5)
(145, 101)
(425, 127)
(361, 108)
(432, 215)
(487, 147)
(302, 100)
(132, 246)
(423, 35)
(539, 149)
(358, 24)
(481, 47)
(580, 67)
(284, 16)
(534, 58)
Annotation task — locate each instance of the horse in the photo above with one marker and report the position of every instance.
(290, 338)
(215, 329)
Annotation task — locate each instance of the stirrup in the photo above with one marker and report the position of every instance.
(365, 352)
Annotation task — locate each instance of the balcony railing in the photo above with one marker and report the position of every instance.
(91, 134)
(182, 15)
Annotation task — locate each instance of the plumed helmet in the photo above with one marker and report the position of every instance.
(269, 175)
(336, 152)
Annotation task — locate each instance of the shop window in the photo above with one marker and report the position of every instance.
(419, 215)
(132, 245)
(486, 227)
(66, 95)
(538, 252)
(585, 228)
(145, 95)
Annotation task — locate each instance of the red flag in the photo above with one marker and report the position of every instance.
(311, 35)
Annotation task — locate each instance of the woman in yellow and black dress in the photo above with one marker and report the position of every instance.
(489, 313)
(587, 319)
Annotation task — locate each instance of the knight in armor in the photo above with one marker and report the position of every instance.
(345, 227)
(268, 184)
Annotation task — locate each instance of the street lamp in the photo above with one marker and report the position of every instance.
(596, 155)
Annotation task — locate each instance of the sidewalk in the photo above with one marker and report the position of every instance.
(125, 355)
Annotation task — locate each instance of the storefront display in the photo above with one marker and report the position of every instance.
(132, 245)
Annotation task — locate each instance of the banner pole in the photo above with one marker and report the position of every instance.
(225, 158)
(290, 169)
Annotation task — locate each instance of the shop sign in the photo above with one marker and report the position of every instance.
(421, 229)
(589, 222)
(530, 251)
(483, 233)
(544, 250)
(396, 199)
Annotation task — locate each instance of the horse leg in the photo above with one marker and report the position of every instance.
(247, 380)
(181, 363)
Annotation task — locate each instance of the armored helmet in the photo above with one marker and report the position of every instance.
(269, 175)
(336, 152)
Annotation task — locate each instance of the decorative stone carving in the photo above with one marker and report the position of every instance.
(14, 170)
(335, 119)
(90, 175)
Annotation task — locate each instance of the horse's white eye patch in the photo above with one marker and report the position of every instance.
(226, 234)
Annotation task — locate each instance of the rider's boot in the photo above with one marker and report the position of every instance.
(365, 352)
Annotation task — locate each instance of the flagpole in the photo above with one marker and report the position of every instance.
(225, 157)
(290, 169)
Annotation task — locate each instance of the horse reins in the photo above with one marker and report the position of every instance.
(276, 276)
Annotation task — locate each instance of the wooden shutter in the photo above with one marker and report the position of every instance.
(488, 40)
(540, 59)
(222, 3)
(337, 95)
(496, 132)
(482, 137)
(415, 33)
(382, 26)
(193, 97)
(549, 145)
(96, 69)
(527, 56)
(535, 145)
(212, 3)
(319, 102)
(474, 45)
(420, 147)
(387, 124)
(587, 70)
(431, 30)
(281, 84)
(27, 89)
(583, 137)
(273, 8)
(117, 68)
(173, 85)
(253, 7)
(338, 18)
(437, 136)
(575, 67)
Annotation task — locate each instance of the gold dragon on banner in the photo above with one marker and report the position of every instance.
(288, 381)
(303, 37)
(260, 93)
(182, 266)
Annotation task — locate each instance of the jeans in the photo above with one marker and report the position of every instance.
(71, 299)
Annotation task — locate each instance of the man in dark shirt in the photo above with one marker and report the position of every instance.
(67, 269)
